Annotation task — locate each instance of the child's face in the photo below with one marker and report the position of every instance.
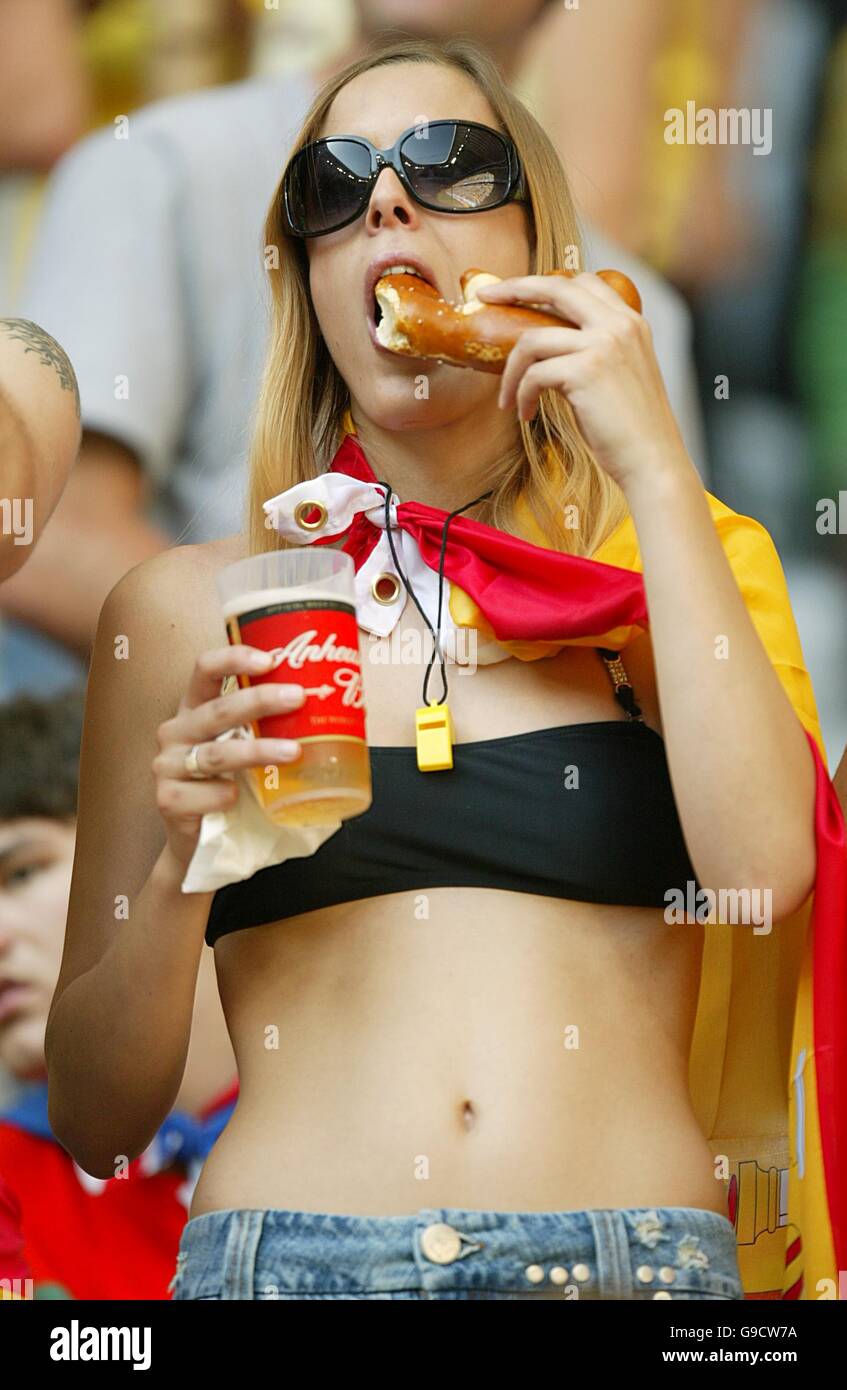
(36, 859)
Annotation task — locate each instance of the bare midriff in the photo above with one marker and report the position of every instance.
(466, 1047)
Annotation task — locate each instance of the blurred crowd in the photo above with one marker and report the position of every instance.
(139, 144)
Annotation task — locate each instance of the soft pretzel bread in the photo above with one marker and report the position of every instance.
(417, 322)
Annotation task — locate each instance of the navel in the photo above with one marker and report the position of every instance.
(468, 1114)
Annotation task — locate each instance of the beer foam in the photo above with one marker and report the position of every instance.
(252, 599)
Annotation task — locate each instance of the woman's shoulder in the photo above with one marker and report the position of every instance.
(190, 563)
(153, 626)
(177, 584)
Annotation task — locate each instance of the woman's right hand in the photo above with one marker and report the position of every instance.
(203, 714)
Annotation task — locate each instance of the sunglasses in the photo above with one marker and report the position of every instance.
(447, 166)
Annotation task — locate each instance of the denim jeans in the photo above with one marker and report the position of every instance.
(447, 1252)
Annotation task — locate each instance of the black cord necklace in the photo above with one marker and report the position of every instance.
(434, 753)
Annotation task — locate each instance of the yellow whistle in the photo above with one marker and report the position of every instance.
(434, 737)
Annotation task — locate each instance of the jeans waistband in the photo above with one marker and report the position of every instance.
(601, 1253)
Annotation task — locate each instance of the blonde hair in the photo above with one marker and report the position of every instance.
(303, 398)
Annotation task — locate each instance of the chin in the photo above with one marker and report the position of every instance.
(403, 414)
(391, 404)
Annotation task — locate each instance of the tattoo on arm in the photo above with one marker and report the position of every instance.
(49, 351)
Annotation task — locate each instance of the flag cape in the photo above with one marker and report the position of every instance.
(768, 1063)
(768, 1060)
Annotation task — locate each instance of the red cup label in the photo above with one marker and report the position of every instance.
(316, 645)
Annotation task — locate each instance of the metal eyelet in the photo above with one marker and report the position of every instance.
(386, 578)
(301, 511)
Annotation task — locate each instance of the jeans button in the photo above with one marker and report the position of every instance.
(440, 1243)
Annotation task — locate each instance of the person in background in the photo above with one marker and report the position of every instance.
(678, 207)
(83, 1237)
(14, 1270)
(819, 284)
(44, 90)
(39, 435)
(146, 266)
(45, 107)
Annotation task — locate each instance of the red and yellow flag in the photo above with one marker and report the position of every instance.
(768, 1061)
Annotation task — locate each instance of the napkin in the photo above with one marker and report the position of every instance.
(235, 844)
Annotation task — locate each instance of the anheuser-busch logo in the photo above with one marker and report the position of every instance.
(315, 645)
(303, 649)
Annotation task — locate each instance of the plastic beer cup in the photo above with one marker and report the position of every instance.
(300, 605)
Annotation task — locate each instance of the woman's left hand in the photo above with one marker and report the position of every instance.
(605, 367)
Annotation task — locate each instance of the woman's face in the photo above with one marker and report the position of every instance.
(395, 392)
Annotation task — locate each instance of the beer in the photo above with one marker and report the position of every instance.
(300, 606)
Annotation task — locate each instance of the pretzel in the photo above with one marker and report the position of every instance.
(417, 322)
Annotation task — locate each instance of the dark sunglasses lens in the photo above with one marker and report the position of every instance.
(328, 183)
(457, 168)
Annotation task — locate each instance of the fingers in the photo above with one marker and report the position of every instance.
(182, 798)
(608, 331)
(535, 345)
(553, 372)
(226, 757)
(595, 284)
(185, 803)
(585, 300)
(203, 715)
(212, 666)
(216, 716)
(535, 380)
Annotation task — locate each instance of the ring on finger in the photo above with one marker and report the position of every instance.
(192, 766)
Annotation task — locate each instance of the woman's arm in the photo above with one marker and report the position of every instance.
(742, 770)
(118, 1028)
(119, 1025)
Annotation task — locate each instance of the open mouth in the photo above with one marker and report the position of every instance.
(383, 309)
(386, 306)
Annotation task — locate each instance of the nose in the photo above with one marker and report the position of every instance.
(390, 205)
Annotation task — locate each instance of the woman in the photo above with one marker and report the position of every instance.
(474, 1092)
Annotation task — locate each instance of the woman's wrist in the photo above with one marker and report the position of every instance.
(659, 480)
(168, 874)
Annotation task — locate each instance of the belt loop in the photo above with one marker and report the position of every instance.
(611, 1255)
(245, 1232)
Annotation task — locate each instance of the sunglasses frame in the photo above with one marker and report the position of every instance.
(390, 159)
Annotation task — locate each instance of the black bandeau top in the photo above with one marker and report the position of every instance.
(582, 811)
